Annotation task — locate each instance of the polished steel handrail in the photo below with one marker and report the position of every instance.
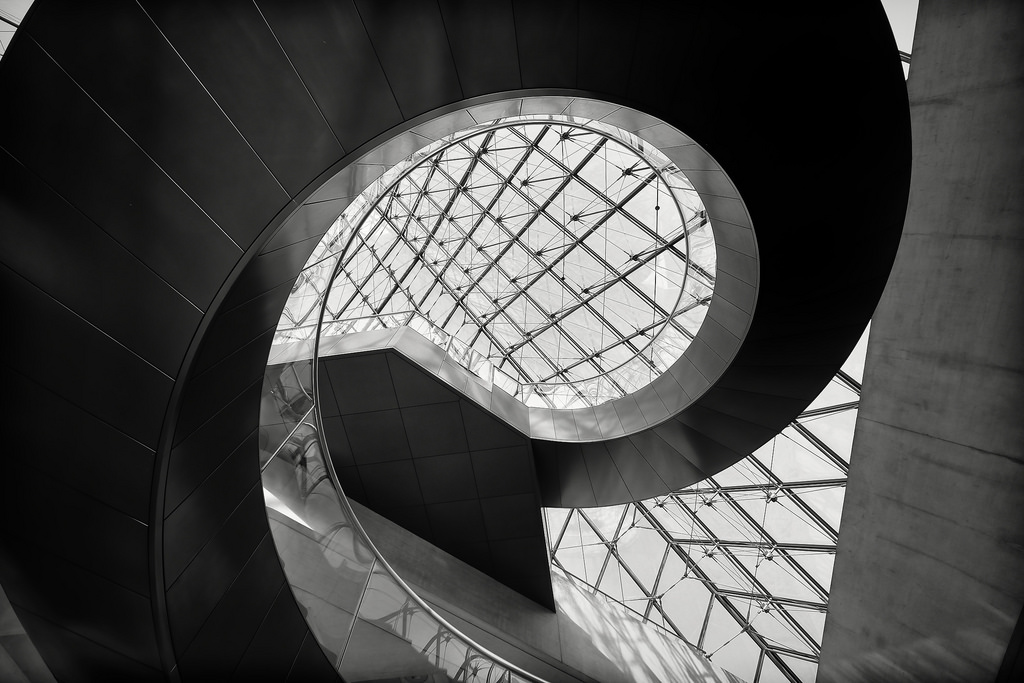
(364, 537)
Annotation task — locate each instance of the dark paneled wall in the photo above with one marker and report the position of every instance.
(150, 153)
(467, 487)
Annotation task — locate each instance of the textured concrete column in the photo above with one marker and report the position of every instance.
(929, 578)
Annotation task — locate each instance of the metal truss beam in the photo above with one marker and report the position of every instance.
(718, 596)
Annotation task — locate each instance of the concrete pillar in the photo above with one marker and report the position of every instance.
(929, 577)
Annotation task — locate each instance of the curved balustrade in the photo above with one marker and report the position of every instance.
(365, 617)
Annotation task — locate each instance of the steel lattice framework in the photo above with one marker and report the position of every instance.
(531, 245)
(740, 564)
(575, 262)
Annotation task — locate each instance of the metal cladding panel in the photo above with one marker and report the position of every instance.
(703, 455)
(630, 416)
(605, 479)
(395, 149)
(193, 523)
(415, 518)
(196, 592)
(767, 379)
(458, 522)
(742, 266)
(103, 540)
(498, 110)
(350, 482)
(365, 372)
(677, 75)
(439, 466)
(729, 316)
(564, 426)
(334, 432)
(573, 477)
(587, 421)
(376, 437)
(503, 471)
(732, 231)
(412, 45)
(733, 290)
(330, 50)
(71, 657)
(606, 49)
(347, 183)
(671, 459)
(731, 432)
(311, 664)
(542, 423)
(712, 183)
(71, 145)
(546, 32)
(269, 270)
(475, 28)
(64, 593)
(718, 337)
(705, 358)
(454, 375)
(117, 474)
(390, 484)
(690, 157)
(728, 210)
(132, 404)
(511, 517)
(545, 459)
(195, 458)
(171, 117)
(215, 388)
(231, 625)
(238, 326)
(764, 409)
(642, 480)
(44, 228)
(445, 478)
(309, 222)
(651, 407)
(508, 557)
(608, 420)
(276, 643)
(510, 410)
(672, 396)
(251, 78)
(328, 404)
(426, 427)
(413, 386)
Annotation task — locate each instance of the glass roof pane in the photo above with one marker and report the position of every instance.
(765, 545)
(557, 248)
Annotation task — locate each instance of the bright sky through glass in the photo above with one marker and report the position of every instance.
(572, 258)
(740, 564)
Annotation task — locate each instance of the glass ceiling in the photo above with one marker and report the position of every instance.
(11, 14)
(571, 257)
(740, 564)
(524, 247)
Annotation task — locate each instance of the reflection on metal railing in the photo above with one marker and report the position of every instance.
(352, 600)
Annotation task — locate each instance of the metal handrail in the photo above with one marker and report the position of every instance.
(358, 527)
